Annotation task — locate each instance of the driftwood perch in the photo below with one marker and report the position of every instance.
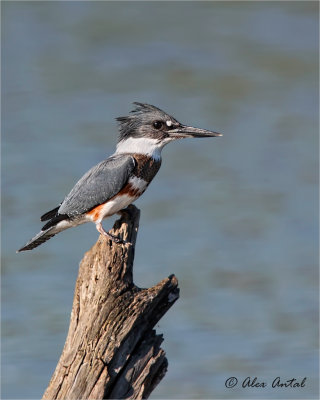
(112, 351)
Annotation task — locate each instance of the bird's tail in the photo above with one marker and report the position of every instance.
(57, 223)
(40, 238)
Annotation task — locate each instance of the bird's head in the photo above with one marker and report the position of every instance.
(151, 127)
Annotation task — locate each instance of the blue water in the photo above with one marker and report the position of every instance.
(235, 218)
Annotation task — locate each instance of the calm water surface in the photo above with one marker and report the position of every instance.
(235, 218)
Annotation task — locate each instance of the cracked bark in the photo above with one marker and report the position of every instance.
(112, 351)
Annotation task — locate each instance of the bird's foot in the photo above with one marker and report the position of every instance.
(109, 235)
(114, 238)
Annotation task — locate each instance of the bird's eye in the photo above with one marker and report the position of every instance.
(157, 124)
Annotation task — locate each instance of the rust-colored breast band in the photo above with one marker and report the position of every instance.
(129, 190)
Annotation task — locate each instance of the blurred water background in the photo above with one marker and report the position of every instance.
(235, 218)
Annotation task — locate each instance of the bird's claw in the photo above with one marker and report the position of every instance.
(116, 239)
(109, 235)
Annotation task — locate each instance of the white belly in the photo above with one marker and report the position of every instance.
(113, 206)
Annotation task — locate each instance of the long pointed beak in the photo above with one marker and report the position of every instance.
(189, 131)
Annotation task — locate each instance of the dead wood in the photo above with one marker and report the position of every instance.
(112, 351)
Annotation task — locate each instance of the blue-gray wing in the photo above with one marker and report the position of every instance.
(98, 185)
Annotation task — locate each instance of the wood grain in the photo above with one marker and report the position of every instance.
(111, 350)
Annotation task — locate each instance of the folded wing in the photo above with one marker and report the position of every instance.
(98, 185)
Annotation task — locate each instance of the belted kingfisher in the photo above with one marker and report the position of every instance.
(118, 181)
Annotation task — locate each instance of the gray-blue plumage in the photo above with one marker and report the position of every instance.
(98, 185)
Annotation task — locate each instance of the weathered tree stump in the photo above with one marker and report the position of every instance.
(112, 351)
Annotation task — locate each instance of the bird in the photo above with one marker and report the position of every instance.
(113, 184)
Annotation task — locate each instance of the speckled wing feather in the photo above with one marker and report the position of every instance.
(98, 185)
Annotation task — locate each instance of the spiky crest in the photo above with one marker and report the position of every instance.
(138, 116)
